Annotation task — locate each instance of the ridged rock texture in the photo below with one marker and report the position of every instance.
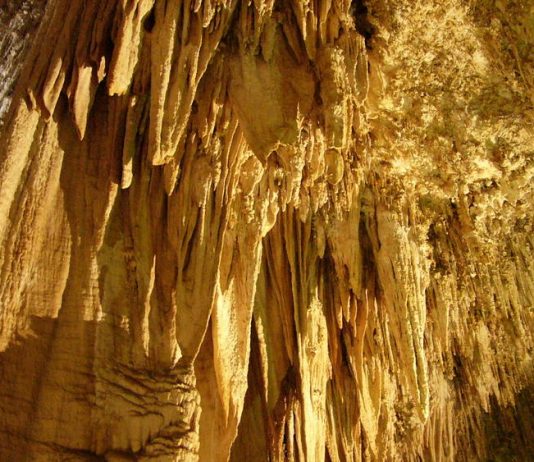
(267, 230)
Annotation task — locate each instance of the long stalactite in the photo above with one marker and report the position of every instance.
(267, 230)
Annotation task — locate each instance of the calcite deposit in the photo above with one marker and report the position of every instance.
(266, 230)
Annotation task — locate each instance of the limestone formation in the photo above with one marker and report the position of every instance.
(266, 230)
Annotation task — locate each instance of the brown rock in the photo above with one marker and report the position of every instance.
(266, 230)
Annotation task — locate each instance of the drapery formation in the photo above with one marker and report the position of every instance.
(269, 230)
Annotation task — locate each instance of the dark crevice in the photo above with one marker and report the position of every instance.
(150, 20)
(253, 436)
(360, 13)
(230, 39)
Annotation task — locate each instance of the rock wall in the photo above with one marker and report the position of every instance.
(268, 230)
(18, 23)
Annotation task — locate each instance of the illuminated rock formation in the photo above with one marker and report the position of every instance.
(257, 230)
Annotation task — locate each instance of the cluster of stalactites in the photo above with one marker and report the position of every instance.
(156, 53)
(250, 212)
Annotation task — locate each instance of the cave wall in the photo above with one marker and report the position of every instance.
(267, 230)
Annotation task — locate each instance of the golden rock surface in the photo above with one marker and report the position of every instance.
(259, 230)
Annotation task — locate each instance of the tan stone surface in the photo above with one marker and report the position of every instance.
(257, 230)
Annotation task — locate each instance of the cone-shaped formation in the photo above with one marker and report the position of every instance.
(268, 230)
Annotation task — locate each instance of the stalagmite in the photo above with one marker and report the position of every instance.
(266, 230)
